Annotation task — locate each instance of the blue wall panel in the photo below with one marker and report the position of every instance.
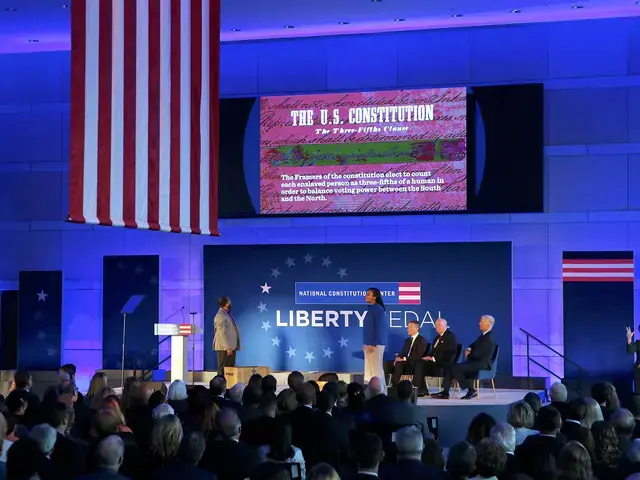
(591, 72)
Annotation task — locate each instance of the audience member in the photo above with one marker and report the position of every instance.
(281, 450)
(94, 398)
(184, 467)
(461, 461)
(377, 400)
(491, 460)
(295, 380)
(607, 397)
(521, 417)
(572, 428)
(109, 457)
(166, 437)
(255, 381)
(236, 394)
(625, 424)
(480, 427)
(218, 390)
(410, 446)
(558, 395)
(606, 453)
(533, 400)
(69, 457)
(286, 402)
(342, 394)
(634, 408)
(302, 416)
(432, 455)
(533, 455)
(368, 454)
(404, 413)
(45, 436)
(156, 399)
(269, 384)
(574, 463)
(505, 435)
(162, 410)
(594, 413)
(25, 460)
(257, 431)
(323, 472)
(177, 398)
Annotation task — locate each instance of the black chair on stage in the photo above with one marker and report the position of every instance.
(489, 374)
(457, 359)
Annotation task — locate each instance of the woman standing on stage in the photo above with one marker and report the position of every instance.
(375, 336)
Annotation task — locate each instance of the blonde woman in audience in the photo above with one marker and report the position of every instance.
(131, 393)
(165, 440)
(594, 413)
(112, 404)
(521, 417)
(93, 398)
(323, 471)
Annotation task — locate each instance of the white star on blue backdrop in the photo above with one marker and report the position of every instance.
(290, 262)
(309, 356)
(266, 325)
(275, 342)
(291, 352)
(343, 342)
(327, 352)
(42, 297)
(342, 272)
(262, 307)
(326, 262)
(275, 272)
(308, 258)
(265, 288)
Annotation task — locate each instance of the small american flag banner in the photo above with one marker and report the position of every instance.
(409, 293)
(186, 329)
(145, 114)
(597, 267)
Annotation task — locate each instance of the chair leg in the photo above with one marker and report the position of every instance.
(493, 386)
(389, 381)
(477, 382)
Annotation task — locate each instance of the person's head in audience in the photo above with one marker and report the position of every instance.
(269, 404)
(107, 422)
(162, 410)
(111, 403)
(280, 446)
(70, 369)
(199, 398)
(326, 402)
(269, 384)
(533, 400)
(228, 425)
(549, 420)
(538, 463)
(68, 393)
(322, 471)
(432, 455)
(177, 391)
(606, 450)
(17, 402)
(192, 447)
(22, 379)
(577, 410)
(480, 427)
(355, 397)
(166, 437)
(45, 436)
(491, 459)
(342, 393)
(306, 395)
(368, 453)
(97, 384)
(57, 416)
(374, 388)
(574, 462)
(209, 419)
(461, 461)
(24, 460)
(409, 443)
(594, 413)
(521, 415)
(252, 395)
(156, 399)
(236, 392)
(504, 435)
(405, 391)
(218, 386)
(605, 394)
(255, 381)
(558, 393)
(315, 386)
(295, 380)
(624, 423)
(110, 453)
(132, 394)
(332, 387)
(287, 402)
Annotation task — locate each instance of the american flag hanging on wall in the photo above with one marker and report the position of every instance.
(144, 114)
(597, 267)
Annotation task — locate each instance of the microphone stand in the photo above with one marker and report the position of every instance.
(193, 349)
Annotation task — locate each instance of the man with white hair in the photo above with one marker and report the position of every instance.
(410, 444)
(439, 357)
(162, 410)
(505, 435)
(108, 457)
(45, 436)
(558, 396)
(478, 357)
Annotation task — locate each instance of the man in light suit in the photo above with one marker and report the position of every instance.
(226, 337)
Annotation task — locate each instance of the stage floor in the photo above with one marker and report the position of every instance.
(503, 397)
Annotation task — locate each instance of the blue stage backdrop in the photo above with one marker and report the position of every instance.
(124, 276)
(300, 307)
(40, 320)
(598, 305)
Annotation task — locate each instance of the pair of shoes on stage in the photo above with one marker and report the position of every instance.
(445, 395)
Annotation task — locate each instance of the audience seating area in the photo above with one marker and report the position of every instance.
(339, 431)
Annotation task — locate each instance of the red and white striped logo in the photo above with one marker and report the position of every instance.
(597, 270)
(185, 329)
(409, 293)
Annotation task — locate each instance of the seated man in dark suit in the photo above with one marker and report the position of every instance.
(404, 413)
(439, 357)
(535, 448)
(478, 356)
(414, 348)
(572, 428)
(410, 443)
(218, 389)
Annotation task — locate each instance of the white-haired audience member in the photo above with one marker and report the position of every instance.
(521, 418)
(594, 413)
(558, 396)
(410, 444)
(108, 457)
(236, 392)
(45, 436)
(505, 436)
(162, 410)
(625, 424)
(177, 397)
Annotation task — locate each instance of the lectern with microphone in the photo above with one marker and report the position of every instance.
(179, 346)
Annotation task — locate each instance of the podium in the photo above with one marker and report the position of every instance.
(179, 341)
